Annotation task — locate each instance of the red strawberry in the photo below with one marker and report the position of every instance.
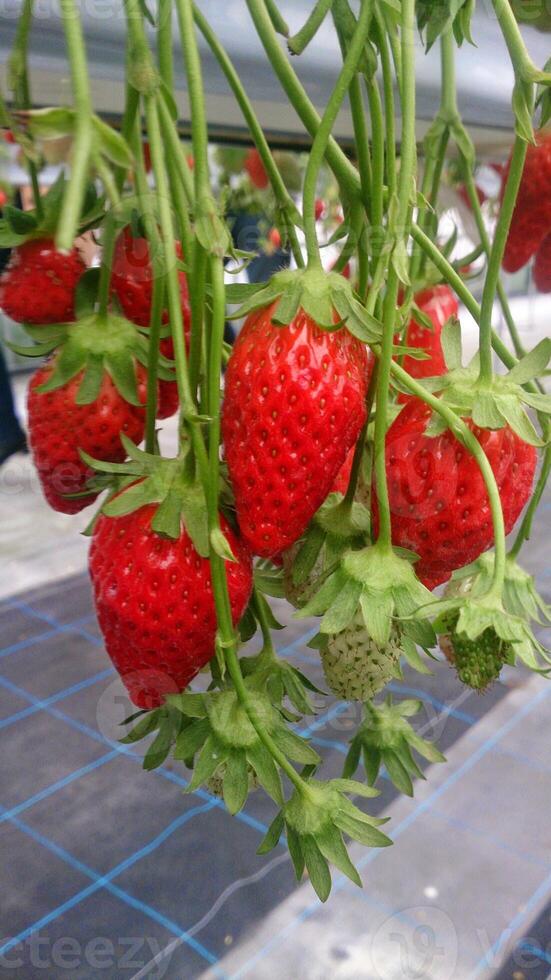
(132, 281)
(542, 266)
(255, 169)
(438, 500)
(319, 209)
(154, 602)
(439, 304)
(532, 216)
(58, 428)
(294, 406)
(340, 484)
(38, 284)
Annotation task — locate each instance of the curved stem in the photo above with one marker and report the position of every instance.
(282, 197)
(339, 163)
(462, 432)
(522, 62)
(196, 92)
(323, 134)
(82, 148)
(302, 38)
(496, 256)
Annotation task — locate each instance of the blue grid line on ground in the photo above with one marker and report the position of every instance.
(493, 839)
(61, 628)
(105, 881)
(537, 951)
(422, 807)
(55, 698)
(536, 898)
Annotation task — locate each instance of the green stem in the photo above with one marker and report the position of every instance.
(302, 38)
(388, 95)
(339, 163)
(132, 100)
(361, 139)
(107, 179)
(378, 168)
(107, 249)
(361, 444)
(178, 155)
(177, 185)
(18, 72)
(194, 76)
(282, 197)
(164, 43)
(400, 229)
(260, 613)
(278, 23)
(522, 62)
(155, 323)
(527, 521)
(496, 256)
(323, 134)
(82, 147)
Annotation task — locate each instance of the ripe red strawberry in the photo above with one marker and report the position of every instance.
(38, 283)
(294, 406)
(542, 266)
(132, 281)
(154, 602)
(532, 216)
(438, 500)
(439, 304)
(255, 169)
(319, 209)
(58, 428)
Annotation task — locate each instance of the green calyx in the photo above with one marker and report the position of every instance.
(386, 738)
(93, 345)
(378, 584)
(337, 527)
(279, 679)
(173, 485)
(326, 297)
(314, 821)
(210, 228)
(495, 403)
(219, 733)
(18, 227)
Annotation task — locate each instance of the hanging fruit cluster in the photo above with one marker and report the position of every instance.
(354, 463)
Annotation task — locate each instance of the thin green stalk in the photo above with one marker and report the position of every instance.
(339, 163)
(82, 147)
(278, 23)
(378, 168)
(177, 185)
(496, 256)
(361, 139)
(388, 95)
(300, 41)
(319, 146)
(470, 185)
(400, 229)
(108, 180)
(132, 99)
(155, 324)
(18, 73)
(359, 452)
(183, 171)
(107, 249)
(282, 197)
(194, 76)
(164, 43)
(522, 62)
(527, 521)
(462, 432)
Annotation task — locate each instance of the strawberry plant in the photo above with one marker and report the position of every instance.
(353, 462)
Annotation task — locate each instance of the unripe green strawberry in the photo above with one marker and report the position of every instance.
(478, 662)
(355, 668)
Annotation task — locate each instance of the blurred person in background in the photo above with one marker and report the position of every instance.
(12, 436)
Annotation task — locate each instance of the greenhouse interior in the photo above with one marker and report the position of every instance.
(275, 589)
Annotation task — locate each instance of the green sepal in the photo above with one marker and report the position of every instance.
(210, 228)
(272, 836)
(20, 222)
(86, 293)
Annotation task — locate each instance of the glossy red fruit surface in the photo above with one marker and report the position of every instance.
(132, 281)
(439, 304)
(532, 216)
(255, 169)
(542, 266)
(38, 283)
(294, 406)
(155, 605)
(58, 428)
(438, 500)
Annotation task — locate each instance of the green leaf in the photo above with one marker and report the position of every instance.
(122, 368)
(289, 304)
(211, 756)
(236, 782)
(160, 747)
(189, 703)
(266, 770)
(295, 747)
(220, 545)
(532, 364)
(352, 760)
(317, 867)
(377, 610)
(343, 608)
(167, 519)
(112, 145)
(68, 364)
(353, 786)
(195, 518)
(294, 843)
(413, 656)
(145, 726)
(190, 740)
(273, 835)
(326, 595)
(522, 108)
(363, 832)
(451, 343)
(485, 411)
(426, 749)
(130, 500)
(51, 123)
(20, 222)
(332, 847)
(86, 293)
(90, 385)
(517, 418)
(372, 763)
(397, 772)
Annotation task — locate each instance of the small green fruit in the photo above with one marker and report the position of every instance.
(355, 668)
